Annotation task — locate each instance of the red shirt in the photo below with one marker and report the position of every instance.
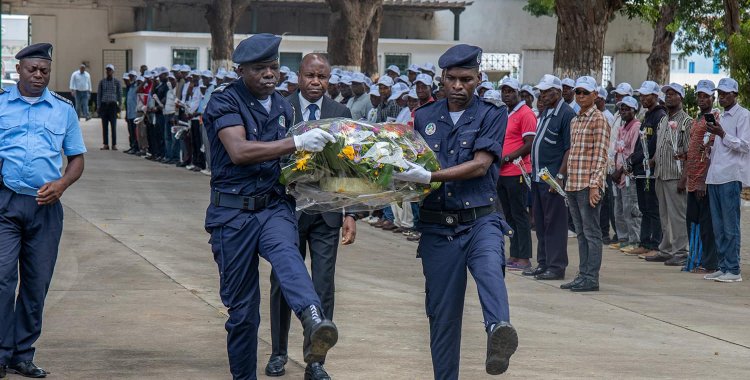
(521, 123)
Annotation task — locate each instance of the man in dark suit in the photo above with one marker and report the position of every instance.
(319, 232)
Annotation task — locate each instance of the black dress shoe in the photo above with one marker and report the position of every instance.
(533, 271)
(27, 369)
(502, 342)
(586, 286)
(659, 257)
(549, 275)
(320, 334)
(315, 371)
(575, 282)
(677, 260)
(275, 366)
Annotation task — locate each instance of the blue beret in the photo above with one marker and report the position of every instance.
(462, 55)
(262, 47)
(41, 50)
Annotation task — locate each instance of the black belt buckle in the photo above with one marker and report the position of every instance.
(451, 219)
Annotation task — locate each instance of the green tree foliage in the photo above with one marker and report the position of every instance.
(740, 61)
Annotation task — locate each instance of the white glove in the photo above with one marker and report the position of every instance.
(313, 140)
(414, 173)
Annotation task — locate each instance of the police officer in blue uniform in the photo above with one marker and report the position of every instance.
(250, 214)
(459, 223)
(36, 126)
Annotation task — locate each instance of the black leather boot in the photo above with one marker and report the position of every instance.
(502, 342)
(320, 334)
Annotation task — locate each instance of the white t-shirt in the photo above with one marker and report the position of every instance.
(456, 115)
(31, 99)
(266, 103)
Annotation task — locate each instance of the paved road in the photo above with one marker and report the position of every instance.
(135, 295)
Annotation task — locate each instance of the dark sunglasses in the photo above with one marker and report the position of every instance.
(582, 92)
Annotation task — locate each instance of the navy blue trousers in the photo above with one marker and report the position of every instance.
(29, 238)
(551, 218)
(444, 263)
(272, 234)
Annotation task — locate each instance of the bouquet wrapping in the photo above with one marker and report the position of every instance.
(356, 171)
(545, 176)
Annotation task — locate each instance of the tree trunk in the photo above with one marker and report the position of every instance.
(581, 28)
(661, 48)
(370, 44)
(731, 27)
(347, 29)
(222, 17)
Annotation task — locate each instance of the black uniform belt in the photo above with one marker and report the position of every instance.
(454, 218)
(239, 201)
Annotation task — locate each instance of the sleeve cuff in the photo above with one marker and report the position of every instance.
(533, 133)
(229, 120)
(489, 145)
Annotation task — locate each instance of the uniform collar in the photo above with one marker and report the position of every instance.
(16, 94)
(468, 112)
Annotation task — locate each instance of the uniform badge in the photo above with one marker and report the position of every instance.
(430, 129)
(282, 121)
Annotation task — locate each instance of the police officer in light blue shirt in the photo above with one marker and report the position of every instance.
(36, 127)
(250, 215)
(459, 223)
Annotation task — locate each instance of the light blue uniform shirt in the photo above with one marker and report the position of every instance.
(33, 138)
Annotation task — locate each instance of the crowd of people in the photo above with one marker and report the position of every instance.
(649, 161)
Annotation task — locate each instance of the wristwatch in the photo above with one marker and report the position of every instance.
(560, 176)
(506, 158)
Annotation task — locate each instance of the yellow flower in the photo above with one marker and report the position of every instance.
(301, 163)
(348, 151)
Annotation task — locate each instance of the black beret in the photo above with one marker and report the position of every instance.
(41, 50)
(463, 55)
(262, 47)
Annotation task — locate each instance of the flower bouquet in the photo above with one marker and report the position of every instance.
(356, 171)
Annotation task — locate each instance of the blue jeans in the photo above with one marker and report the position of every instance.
(171, 147)
(388, 214)
(82, 103)
(589, 233)
(725, 216)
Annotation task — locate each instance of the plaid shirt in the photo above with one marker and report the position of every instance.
(587, 159)
(389, 109)
(110, 91)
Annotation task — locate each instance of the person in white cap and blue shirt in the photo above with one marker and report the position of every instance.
(528, 96)
(375, 100)
(673, 135)
(388, 110)
(568, 93)
(640, 165)
(587, 172)
(550, 150)
(412, 72)
(359, 104)
(398, 94)
(484, 87)
(728, 173)
(393, 71)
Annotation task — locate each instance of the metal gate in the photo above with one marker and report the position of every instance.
(121, 59)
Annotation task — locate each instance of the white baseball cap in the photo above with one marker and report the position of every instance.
(727, 85)
(394, 68)
(623, 88)
(509, 82)
(176, 67)
(171, 76)
(111, 66)
(139, 78)
(125, 76)
(385, 80)
(649, 87)
(705, 86)
(549, 81)
(428, 66)
(568, 82)
(232, 75)
(284, 69)
(358, 78)
(185, 68)
(413, 68)
(674, 86)
(207, 74)
(602, 92)
(629, 101)
(488, 85)
(283, 87)
(334, 79)
(529, 89)
(148, 74)
(403, 79)
(374, 90)
(398, 90)
(485, 78)
(493, 95)
(133, 72)
(585, 82)
(163, 70)
(425, 79)
(346, 79)
(413, 93)
(292, 78)
(335, 71)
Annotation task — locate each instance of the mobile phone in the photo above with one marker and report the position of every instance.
(709, 118)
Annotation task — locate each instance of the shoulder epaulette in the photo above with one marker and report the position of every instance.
(221, 88)
(64, 99)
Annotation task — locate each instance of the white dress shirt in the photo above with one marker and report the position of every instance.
(80, 82)
(730, 156)
(303, 103)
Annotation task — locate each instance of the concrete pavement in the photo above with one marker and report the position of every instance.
(135, 295)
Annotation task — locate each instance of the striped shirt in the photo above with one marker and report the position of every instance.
(587, 159)
(673, 135)
(698, 160)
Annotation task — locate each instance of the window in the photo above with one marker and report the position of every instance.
(691, 67)
(185, 57)
(291, 60)
(606, 69)
(509, 64)
(401, 60)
